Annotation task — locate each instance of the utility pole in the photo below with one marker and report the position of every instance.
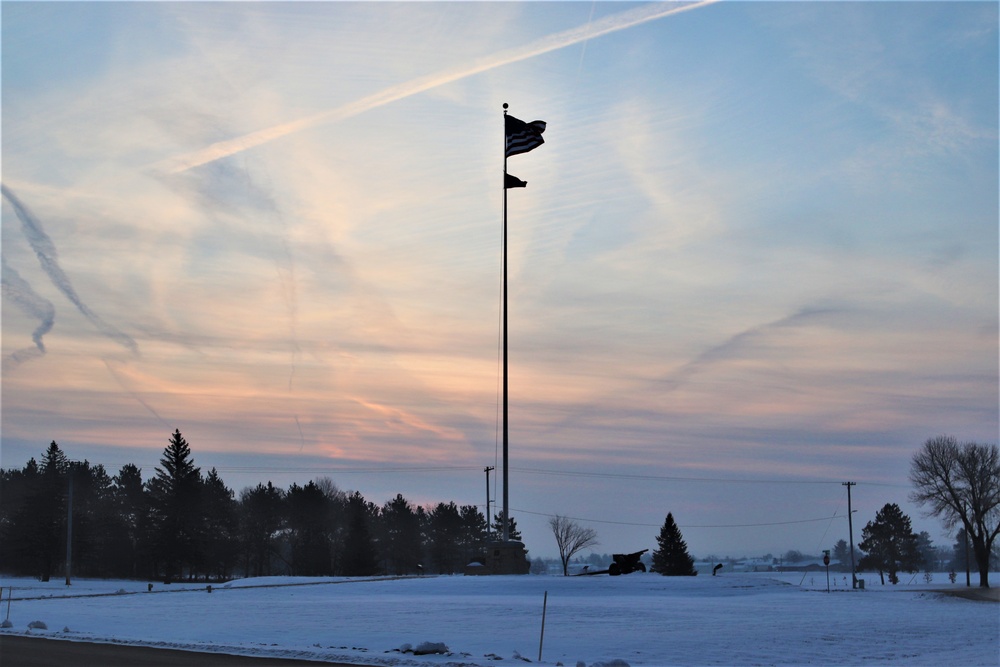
(487, 470)
(968, 567)
(850, 533)
(69, 527)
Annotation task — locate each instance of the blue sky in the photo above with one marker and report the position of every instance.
(757, 255)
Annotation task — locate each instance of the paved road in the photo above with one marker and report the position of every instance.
(21, 651)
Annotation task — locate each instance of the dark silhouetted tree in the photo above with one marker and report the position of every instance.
(672, 558)
(400, 540)
(47, 505)
(961, 485)
(444, 538)
(926, 552)
(18, 523)
(133, 510)
(360, 558)
(96, 521)
(261, 517)
(889, 544)
(175, 508)
(219, 550)
(842, 554)
(309, 525)
(512, 532)
(571, 538)
(473, 533)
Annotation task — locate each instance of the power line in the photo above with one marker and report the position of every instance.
(667, 478)
(686, 526)
(341, 470)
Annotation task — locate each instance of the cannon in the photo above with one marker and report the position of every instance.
(627, 563)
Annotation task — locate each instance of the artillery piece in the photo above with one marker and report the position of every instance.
(627, 563)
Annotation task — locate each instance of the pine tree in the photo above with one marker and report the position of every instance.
(444, 538)
(133, 510)
(512, 531)
(261, 517)
(309, 524)
(19, 520)
(400, 537)
(174, 494)
(473, 532)
(220, 526)
(889, 544)
(672, 558)
(360, 557)
(47, 533)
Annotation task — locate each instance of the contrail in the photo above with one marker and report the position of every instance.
(728, 348)
(20, 292)
(302, 438)
(48, 257)
(136, 395)
(607, 25)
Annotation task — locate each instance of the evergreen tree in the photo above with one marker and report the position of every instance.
(400, 539)
(17, 520)
(360, 557)
(261, 518)
(672, 558)
(177, 523)
(46, 529)
(889, 544)
(512, 532)
(96, 521)
(960, 550)
(473, 536)
(309, 530)
(444, 538)
(133, 510)
(221, 525)
(926, 552)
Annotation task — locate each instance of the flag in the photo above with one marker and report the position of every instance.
(522, 137)
(513, 181)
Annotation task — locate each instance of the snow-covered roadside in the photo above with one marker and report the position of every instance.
(642, 619)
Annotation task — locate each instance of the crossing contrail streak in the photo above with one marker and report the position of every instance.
(20, 293)
(135, 395)
(559, 40)
(45, 250)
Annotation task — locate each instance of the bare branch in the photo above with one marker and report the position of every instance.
(571, 538)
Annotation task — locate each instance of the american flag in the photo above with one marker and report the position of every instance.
(523, 137)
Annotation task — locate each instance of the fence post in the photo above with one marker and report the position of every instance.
(545, 604)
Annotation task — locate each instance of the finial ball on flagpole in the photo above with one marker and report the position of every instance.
(504, 105)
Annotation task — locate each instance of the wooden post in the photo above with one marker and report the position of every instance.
(545, 604)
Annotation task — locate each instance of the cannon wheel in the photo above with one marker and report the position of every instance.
(641, 567)
(614, 569)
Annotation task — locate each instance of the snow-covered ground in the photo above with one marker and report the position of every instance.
(639, 619)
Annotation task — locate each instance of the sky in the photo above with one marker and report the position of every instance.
(757, 255)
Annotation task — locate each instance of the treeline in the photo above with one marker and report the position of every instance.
(185, 525)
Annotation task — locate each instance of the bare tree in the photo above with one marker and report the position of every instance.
(961, 484)
(571, 537)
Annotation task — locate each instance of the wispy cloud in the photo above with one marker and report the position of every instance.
(591, 30)
(20, 292)
(45, 250)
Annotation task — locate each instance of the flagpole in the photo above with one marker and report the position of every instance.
(506, 509)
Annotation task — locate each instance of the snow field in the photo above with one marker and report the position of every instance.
(641, 619)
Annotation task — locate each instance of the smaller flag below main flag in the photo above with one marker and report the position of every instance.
(522, 137)
(513, 181)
